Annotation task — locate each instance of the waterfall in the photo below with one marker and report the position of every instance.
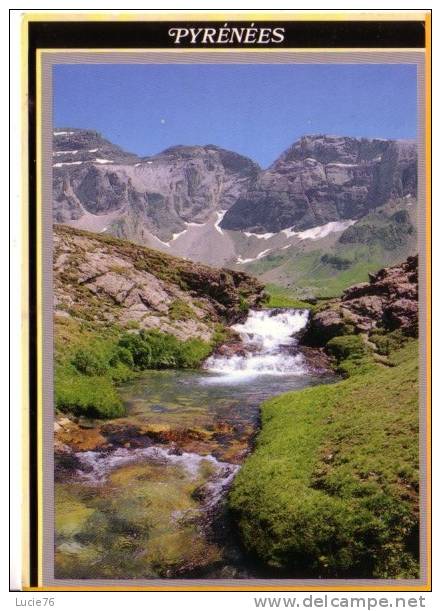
(269, 345)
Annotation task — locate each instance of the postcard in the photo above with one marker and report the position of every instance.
(229, 281)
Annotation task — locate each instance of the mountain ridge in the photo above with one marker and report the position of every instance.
(321, 179)
(158, 194)
(217, 207)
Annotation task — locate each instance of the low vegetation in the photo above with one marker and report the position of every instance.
(325, 268)
(279, 297)
(91, 360)
(331, 489)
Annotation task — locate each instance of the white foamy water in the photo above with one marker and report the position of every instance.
(96, 466)
(269, 339)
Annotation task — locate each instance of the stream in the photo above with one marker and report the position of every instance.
(154, 505)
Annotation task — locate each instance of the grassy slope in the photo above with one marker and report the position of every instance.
(332, 486)
(280, 297)
(379, 240)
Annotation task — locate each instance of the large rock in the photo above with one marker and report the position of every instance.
(389, 301)
(321, 179)
(105, 280)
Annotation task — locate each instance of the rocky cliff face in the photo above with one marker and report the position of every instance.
(321, 179)
(389, 301)
(159, 194)
(327, 200)
(106, 280)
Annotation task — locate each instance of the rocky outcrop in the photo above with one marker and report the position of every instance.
(388, 301)
(160, 194)
(106, 280)
(321, 179)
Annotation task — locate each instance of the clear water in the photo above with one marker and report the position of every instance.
(159, 511)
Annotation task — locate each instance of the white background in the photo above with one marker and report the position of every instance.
(150, 600)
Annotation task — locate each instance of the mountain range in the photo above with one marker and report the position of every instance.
(326, 212)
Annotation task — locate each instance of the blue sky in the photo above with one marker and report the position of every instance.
(256, 110)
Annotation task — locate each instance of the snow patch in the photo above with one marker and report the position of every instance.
(321, 231)
(63, 133)
(290, 233)
(59, 165)
(195, 224)
(103, 160)
(259, 256)
(220, 215)
(161, 242)
(57, 153)
(316, 233)
(176, 235)
(260, 236)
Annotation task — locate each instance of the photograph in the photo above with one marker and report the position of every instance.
(235, 277)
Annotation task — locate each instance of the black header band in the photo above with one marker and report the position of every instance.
(297, 34)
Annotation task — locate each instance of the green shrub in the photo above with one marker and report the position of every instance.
(156, 350)
(139, 350)
(388, 342)
(243, 304)
(121, 373)
(346, 347)
(121, 355)
(192, 353)
(90, 362)
(351, 355)
(180, 310)
(90, 396)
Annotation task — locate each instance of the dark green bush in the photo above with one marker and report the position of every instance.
(139, 349)
(192, 353)
(388, 342)
(90, 396)
(351, 354)
(121, 355)
(90, 362)
(346, 347)
(156, 350)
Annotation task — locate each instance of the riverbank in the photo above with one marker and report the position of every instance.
(146, 492)
(121, 308)
(332, 486)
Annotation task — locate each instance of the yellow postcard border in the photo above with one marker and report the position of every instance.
(182, 16)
